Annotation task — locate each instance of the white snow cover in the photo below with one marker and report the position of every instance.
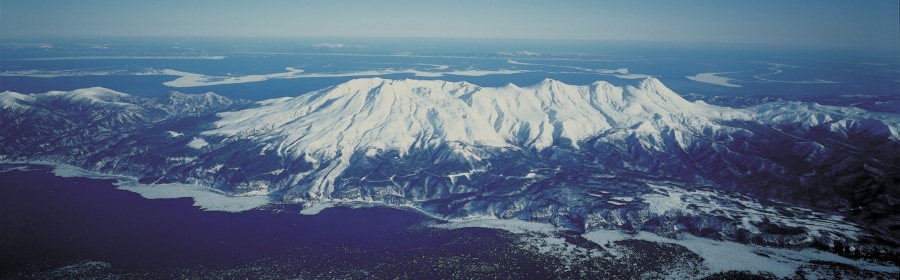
(197, 143)
(14, 100)
(93, 95)
(719, 256)
(722, 256)
(711, 78)
(205, 198)
(404, 114)
(174, 134)
(835, 119)
(364, 115)
(666, 198)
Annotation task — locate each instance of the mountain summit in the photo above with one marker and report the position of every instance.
(372, 116)
(406, 114)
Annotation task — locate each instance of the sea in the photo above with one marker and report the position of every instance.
(136, 66)
(57, 227)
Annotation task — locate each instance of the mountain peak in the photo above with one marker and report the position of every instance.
(651, 82)
(547, 81)
(11, 95)
(405, 114)
(372, 116)
(91, 95)
(14, 100)
(98, 92)
(365, 82)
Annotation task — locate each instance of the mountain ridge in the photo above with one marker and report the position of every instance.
(550, 152)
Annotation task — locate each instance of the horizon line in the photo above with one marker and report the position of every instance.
(5, 39)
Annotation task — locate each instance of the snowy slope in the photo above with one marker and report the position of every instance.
(364, 114)
(378, 114)
(841, 120)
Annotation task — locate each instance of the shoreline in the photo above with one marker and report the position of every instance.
(779, 261)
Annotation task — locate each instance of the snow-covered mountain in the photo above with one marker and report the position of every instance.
(374, 116)
(583, 157)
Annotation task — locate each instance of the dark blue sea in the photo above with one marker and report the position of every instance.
(52, 224)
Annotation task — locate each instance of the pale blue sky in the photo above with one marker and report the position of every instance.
(870, 24)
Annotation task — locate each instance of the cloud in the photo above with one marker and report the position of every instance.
(16, 46)
(205, 57)
(632, 76)
(98, 46)
(75, 73)
(519, 53)
(336, 46)
(621, 73)
(187, 79)
(474, 73)
(328, 45)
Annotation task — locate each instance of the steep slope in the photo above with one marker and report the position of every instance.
(368, 115)
(375, 116)
(545, 114)
(386, 114)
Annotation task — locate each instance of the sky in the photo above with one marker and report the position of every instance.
(842, 24)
